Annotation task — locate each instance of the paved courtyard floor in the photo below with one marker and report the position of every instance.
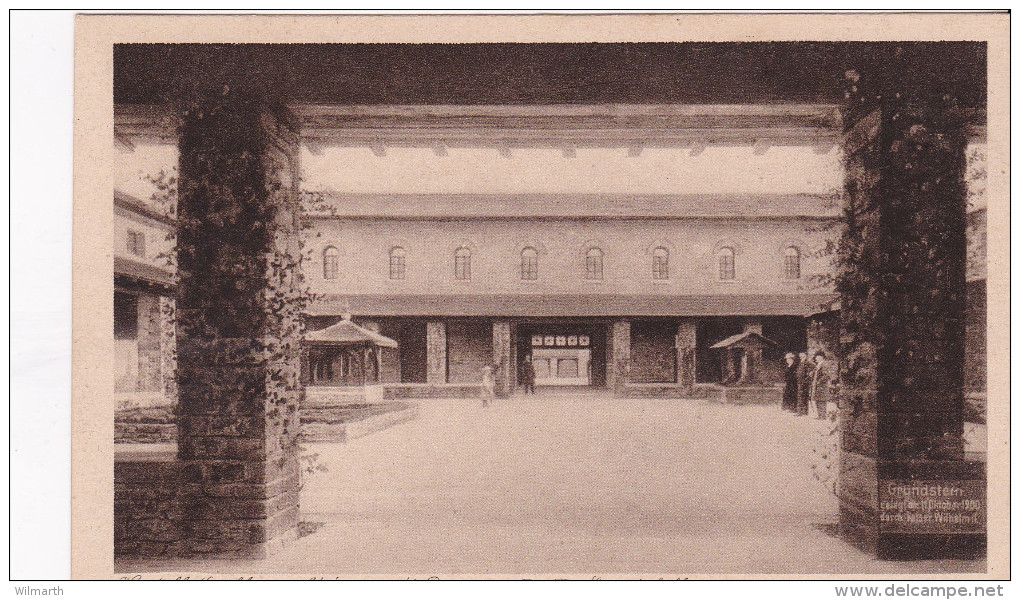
(573, 483)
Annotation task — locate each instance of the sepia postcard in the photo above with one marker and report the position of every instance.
(680, 296)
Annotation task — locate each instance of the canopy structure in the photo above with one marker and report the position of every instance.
(748, 339)
(743, 358)
(345, 354)
(348, 333)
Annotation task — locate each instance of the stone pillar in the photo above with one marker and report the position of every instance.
(168, 347)
(502, 357)
(686, 353)
(620, 348)
(150, 363)
(901, 284)
(435, 351)
(238, 326)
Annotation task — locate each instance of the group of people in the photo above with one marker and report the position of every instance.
(810, 383)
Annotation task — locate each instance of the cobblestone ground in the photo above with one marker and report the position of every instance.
(575, 483)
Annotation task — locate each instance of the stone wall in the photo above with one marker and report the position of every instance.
(976, 342)
(149, 504)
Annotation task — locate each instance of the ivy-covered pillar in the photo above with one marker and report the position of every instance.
(238, 325)
(905, 489)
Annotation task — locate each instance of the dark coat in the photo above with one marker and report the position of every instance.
(790, 389)
(528, 372)
(805, 370)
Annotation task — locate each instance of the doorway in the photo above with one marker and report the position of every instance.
(564, 355)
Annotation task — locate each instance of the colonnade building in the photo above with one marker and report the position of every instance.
(614, 245)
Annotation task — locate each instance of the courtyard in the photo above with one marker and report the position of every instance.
(570, 483)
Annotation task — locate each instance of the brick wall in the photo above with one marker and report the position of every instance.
(496, 247)
(975, 344)
(148, 506)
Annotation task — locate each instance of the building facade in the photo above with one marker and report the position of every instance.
(143, 304)
(613, 245)
(642, 283)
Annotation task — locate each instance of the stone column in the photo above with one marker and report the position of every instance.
(686, 353)
(901, 375)
(150, 363)
(168, 347)
(238, 326)
(435, 351)
(502, 357)
(620, 348)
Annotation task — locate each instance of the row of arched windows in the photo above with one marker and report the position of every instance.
(593, 263)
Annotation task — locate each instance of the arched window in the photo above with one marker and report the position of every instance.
(791, 263)
(330, 263)
(462, 264)
(593, 264)
(660, 263)
(727, 268)
(529, 264)
(398, 264)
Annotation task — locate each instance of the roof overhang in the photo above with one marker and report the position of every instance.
(568, 305)
(632, 126)
(564, 126)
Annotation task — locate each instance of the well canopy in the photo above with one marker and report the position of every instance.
(348, 333)
(745, 340)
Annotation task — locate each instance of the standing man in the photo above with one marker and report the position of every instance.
(805, 369)
(790, 380)
(822, 383)
(528, 375)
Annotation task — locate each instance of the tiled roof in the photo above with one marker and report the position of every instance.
(346, 332)
(131, 204)
(142, 271)
(565, 305)
(743, 338)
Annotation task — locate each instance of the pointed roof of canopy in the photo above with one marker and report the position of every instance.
(347, 333)
(743, 339)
